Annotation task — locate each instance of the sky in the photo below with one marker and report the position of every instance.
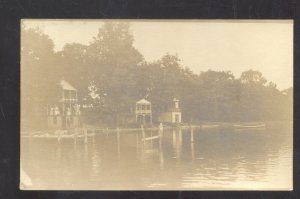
(220, 45)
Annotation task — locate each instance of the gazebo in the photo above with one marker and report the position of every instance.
(143, 113)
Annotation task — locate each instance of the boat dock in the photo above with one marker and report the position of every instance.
(155, 131)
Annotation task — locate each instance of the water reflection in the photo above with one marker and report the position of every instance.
(192, 151)
(208, 159)
(96, 161)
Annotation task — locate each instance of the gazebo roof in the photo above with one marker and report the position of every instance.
(66, 86)
(143, 101)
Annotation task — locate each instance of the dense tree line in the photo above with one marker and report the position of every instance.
(111, 74)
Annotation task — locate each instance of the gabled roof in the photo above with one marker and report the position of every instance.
(143, 101)
(66, 86)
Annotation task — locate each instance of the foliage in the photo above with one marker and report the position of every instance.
(39, 70)
(111, 74)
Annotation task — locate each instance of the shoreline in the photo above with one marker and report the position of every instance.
(93, 130)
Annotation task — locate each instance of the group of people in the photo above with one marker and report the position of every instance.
(55, 110)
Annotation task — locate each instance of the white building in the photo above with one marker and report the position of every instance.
(172, 115)
(143, 113)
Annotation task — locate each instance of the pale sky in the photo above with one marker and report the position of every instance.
(218, 45)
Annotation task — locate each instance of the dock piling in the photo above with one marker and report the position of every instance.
(192, 134)
(192, 151)
(118, 141)
(59, 135)
(160, 132)
(143, 134)
(85, 136)
(75, 136)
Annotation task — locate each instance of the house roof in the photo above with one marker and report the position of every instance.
(66, 86)
(143, 101)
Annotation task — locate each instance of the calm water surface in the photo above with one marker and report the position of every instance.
(245, 159)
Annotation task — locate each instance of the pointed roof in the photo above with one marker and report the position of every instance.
(66, 86)
(143, 101)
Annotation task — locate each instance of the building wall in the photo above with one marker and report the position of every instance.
(169, 117)
(174, 117)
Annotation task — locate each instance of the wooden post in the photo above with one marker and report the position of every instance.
(118, 133)
(192, 134)
(143, 134)
(161, 157)
(192, 151)
(180, 136)
(118, 141)
(160, 129)
(160, 132)
(75, 136)
(59, 135)
(85, 136)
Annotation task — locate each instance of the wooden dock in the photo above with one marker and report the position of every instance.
(91, 131)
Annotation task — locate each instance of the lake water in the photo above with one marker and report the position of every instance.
(216, 160)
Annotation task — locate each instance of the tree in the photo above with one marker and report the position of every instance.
(73, 60)
(111, 74)
(108, 64)
(253, 77)
(38, 61)
(259, 100)
(40, 75)
(216, 95)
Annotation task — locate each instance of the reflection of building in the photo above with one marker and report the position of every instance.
(172, 115)
(143, 113)
(66, 112)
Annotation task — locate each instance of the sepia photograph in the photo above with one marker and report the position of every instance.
(156, 104)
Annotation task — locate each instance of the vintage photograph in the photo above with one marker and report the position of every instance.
(156, 104)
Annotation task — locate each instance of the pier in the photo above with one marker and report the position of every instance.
(147, 133)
